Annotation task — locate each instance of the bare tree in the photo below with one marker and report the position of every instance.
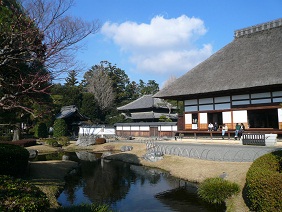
(62, 33)
(37, 43)
(100, 85)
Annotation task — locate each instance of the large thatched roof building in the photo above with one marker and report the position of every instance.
(242, 82)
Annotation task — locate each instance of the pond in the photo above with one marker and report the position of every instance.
(128, 187)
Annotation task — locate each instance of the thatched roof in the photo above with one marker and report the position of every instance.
(144, 102)
(252, 60)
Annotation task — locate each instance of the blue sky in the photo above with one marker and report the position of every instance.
(160, 39)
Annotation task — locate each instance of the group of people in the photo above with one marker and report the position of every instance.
(213, 127)
(239, 129)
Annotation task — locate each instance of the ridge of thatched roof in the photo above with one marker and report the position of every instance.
(251, 60)
(144, 102)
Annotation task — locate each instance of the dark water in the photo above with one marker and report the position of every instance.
(127, 187)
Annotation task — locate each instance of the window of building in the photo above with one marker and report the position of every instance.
(215, 118)
(263, 118)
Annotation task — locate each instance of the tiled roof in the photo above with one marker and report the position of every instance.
(147, 123)
(69, 111)
(151, 115)
(144, 102)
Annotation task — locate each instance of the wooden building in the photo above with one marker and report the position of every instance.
(72, 118)
(146, 129)
(145, 114)
(148, 109)
(241, 83)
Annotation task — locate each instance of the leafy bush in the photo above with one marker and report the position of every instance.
(41, 130)
(217, 190)
(86, 208)
(264, 183)
(6, 137)
(60, 128)
(13, 159)
(63, 140)
(19, 195)
(52, 142)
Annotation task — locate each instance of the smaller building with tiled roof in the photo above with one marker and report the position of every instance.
(72, 118)
(148, 109)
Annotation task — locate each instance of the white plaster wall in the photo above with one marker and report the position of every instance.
(226, 117)
(280, 114)
(188, 118)
(203, 118)
(240, 116)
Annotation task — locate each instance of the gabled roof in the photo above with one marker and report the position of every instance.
(252, 60)
(146, 124)
(151, 115)
(68, 111)
(144, 102)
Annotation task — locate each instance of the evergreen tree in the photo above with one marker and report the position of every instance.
(71, 80)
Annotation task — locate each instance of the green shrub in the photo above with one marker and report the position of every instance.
(13, 159)
(51, 142)
(264, 183)
(217, 190)
(8, 137)
(60, 128)
(63, 140)
(86, 208)
(19, 195)
(41, 131)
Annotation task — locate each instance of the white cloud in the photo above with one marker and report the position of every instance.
(162, 46)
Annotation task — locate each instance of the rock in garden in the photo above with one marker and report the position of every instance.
(32, 153)
(126, 148)
(85, 140)
(151, 156)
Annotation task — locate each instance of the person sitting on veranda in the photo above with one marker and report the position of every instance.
(224, 130)
(237, 128)
(210, 126)
(215, 126)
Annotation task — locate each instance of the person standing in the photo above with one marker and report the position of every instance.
(224, 130)
(237, 128)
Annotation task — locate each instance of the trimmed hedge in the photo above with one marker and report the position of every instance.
(264, 183)
(217, 190)
(19, 195)
(13, 159)
(60, 128)
(25, 142)
(41, 131)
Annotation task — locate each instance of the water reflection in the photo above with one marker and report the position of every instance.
(128, 187)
